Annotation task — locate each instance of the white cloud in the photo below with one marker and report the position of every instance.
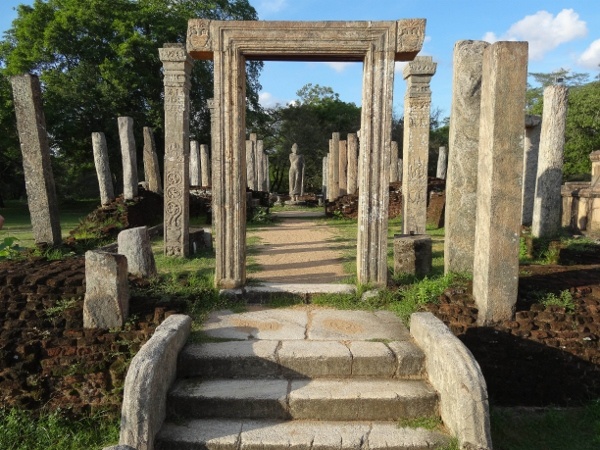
(590, 58)
(543, 31)
(399, 66)
(267, 100)
(339, 67)
(266, 7)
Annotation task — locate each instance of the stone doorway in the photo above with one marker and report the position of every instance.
(229, 44)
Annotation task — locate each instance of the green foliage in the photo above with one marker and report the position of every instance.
(261, 215)
(61, 306)
(9, 248)
(564, 299)
(23, 431)
(98, 60)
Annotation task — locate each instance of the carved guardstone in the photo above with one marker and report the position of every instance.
(177, 72)
(417, 107)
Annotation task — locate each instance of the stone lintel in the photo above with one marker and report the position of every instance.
(595, 156)
(281, 40)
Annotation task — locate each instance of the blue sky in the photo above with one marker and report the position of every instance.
(560, 34)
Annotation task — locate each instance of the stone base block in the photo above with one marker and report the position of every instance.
(412, 254)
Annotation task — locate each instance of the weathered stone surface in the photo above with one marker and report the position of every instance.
(268, 325)
(531, 146)
(134, 244)
(442, 163)
(325, 176)
(39, 180)
(213, 434)
(322, 399)
(500, 172)
(352, 163)
(371, 359)
(354, 326)
(195, 164)
(394, 162)
(205, 165)
(251, 163)
(387, 436)
(412, 254)
(334, 167)
(546, 206)
(119, 447)
(106, 302)
(343, 167)
(151, 167)
(262, 171)
(456, 376)
(107, 193)
(417, 107)
(128, 157)
(150, 376)
(177, 72)
(410, 359)
(315, 359)
(463, 149)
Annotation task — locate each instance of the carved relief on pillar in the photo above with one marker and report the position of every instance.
(175, 206)
(411, 34)
(199, 34)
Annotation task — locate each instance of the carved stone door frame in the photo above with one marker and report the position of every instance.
(230, 44)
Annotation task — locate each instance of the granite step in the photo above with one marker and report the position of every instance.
(232, 434)
(295, 359)
(318, 399)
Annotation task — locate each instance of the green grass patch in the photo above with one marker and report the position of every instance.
(564, 299)
(20, 430)
(560, 429)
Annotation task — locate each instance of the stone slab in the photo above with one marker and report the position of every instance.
(275, 324)
(314, 359)
(361, 399)
(201, 434)
(328, 324)
(301, 288)
(410, 359)
(372, 359)
(235, 359)
(390, 436)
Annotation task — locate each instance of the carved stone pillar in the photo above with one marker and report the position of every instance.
(177, 69)
(417, 107)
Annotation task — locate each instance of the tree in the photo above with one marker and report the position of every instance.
(535, 95)
(98, 60)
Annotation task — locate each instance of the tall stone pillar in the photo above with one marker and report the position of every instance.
(39, 180)
(343, 168)
(204, 165)
(352, 163)
(463, 142)
(151, 167)
(177, 66)
(531, 146)
(194, 163)
(394, 162)
(325, 176)
(334, 167)
(107, 193)
(128, 157)
(260, 167)
(500, 173)
(546, 205)
(442, 163)
(251, 162)
(417, 107)
(400, 167)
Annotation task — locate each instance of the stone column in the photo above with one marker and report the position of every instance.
(463, 143)
(546, 205)
(251, 163)
(325, 176)
(442, 163)
(334, 167)
(205, 165)
(417, 107)
(343, 168)
(151, 167)
(177, 66)
(593, 223)
(352, 163)
(39, 180)
(530, 161)
(500, 173)
(128, 157)
(260, 167)
(195, 164)
(400, 166)
(107, 193)
(394, 162)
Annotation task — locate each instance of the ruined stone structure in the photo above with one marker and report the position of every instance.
(343, 167)
(251, 163)
(463, 149)
(177, 66)
(195, 163)
(581, 201)
(128, 158)
(417, 107)
(325, 176)
(442, 163)
(394, 162)
(531, 146)
(230, 44)
(352, 163)
(107, 192)
(204, 165)
(546, 205)
(500, 172)
(39, 180)
(334, 168)
(151, 167)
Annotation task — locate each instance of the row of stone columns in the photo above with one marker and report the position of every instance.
(340, 167)
(199, 164)
(257, 165)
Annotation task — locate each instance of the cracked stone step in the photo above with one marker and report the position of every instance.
(319, 399)
(301, 359)
(300, 435)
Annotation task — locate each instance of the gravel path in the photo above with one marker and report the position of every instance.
(298, 250)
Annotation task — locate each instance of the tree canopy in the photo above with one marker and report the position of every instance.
(98, 60)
